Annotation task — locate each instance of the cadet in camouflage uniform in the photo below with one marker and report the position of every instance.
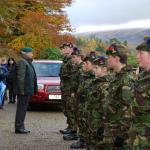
(96, 114)
(141, 105)
(119, 100)
(85, 77)
(65, 76)
(74, 82)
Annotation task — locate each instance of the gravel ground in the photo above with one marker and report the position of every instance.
(44, 127)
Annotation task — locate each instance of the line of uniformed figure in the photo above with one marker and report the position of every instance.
(106, 102)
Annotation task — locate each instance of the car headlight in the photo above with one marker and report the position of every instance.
(40, 86)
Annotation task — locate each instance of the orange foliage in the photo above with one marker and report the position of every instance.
(37, 23)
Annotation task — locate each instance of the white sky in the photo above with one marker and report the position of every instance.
(103, 15)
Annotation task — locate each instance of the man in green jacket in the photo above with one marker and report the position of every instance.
(26, 87)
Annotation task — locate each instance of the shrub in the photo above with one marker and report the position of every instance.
(51, 53)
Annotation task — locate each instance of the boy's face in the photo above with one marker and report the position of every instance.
(97, 70)
(62, 51)
(88, 66)
(112, 61)
(143, 58)
(76, 59)
(66, 51)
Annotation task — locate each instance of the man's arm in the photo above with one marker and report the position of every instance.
(21, 70)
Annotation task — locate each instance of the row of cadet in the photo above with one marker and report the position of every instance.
(106, 101)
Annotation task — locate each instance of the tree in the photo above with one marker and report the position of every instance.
(51, 53)
(100, 49)
(132, 59)
(114, 40)
(90, 44)
(36, 23)
(125, 42)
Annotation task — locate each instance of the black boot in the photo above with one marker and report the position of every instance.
(79, 144)
(70, 137)
(66, 131)
(119, 142)
(22, 131)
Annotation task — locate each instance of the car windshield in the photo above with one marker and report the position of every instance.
(47, 69)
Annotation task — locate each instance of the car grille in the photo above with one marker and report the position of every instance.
(53, 89)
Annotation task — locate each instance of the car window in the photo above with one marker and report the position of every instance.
(47, 69)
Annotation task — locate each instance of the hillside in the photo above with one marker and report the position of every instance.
(133, 36)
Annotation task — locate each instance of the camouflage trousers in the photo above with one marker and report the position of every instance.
(81, 122)
(114, 130)
(95, 139)
(64, 99)
(141, 136)
(95, 142)
(71, 109)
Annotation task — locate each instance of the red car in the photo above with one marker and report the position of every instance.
(48, 82)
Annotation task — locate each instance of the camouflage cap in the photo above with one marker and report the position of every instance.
(115, 50)
(100, 61)
(66, 44)
(145, 46)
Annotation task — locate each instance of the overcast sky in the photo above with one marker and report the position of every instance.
(94, 15)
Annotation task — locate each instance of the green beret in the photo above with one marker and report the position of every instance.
(26, 49)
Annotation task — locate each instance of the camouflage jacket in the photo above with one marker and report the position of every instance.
(141, 109)
(119, 97)
(95, 105)
(66, 71)
(84, 84)
(141, 106)
(76, 78)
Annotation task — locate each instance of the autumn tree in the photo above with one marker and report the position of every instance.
(36, 23)
(90, 44)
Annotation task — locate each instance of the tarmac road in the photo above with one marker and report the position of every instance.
(44, 127)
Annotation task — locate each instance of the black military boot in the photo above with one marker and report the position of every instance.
(70, 137)
(65, 131)
(79, 144)
(119, 142)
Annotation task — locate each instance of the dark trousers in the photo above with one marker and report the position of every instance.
(12, 96)
(22, 104)
(4, 98)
